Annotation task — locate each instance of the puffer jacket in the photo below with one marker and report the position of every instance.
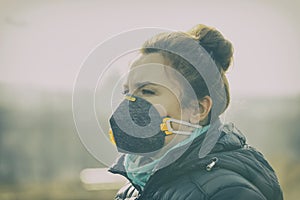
(232, 170)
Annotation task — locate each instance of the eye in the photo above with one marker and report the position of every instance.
(147, 92)
(125, 91)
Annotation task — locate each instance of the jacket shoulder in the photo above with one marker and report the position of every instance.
(213, 185)
(225, 183)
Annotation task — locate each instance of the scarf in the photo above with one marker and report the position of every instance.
(139, 168)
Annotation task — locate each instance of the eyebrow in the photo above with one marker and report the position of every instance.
(140, 84)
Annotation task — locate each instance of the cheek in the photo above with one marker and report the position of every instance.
(174, 109)
(169, 108)
(167, 104)
(161, 109)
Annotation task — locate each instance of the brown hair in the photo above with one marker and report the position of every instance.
(219, 49)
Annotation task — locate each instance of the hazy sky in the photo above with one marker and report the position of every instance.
(43, 43)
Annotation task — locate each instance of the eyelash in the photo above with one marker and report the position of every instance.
(147, 92)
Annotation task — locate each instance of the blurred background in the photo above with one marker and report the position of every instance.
(42, 46)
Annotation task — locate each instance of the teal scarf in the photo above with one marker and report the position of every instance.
(139, 168)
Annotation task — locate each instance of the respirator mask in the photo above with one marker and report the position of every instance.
(138, 128)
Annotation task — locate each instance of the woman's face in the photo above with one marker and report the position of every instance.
(151, 79)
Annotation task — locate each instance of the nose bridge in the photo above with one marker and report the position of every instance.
(134, 91)
(132, 87)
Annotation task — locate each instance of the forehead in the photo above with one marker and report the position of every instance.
(149, 58)
(152, 68)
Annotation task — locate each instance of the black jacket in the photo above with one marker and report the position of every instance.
(232, 170)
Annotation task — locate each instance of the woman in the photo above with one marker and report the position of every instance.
(168, 129)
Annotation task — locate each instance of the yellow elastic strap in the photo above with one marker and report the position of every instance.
(111, 137)
(164, 127)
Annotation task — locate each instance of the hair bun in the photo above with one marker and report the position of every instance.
(220, 49)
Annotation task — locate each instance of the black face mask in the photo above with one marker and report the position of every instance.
(136, 127)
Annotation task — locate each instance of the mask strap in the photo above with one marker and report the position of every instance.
(167, 128)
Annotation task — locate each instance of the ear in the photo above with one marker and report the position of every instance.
(200, 110)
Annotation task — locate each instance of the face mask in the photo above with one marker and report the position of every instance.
(138, 128)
